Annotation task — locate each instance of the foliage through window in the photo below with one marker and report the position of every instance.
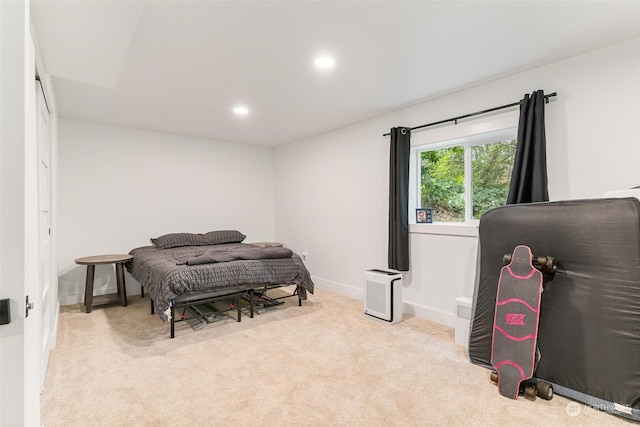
(462, 179)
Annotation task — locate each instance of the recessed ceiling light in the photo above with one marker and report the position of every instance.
(324, 62)
(241, 110)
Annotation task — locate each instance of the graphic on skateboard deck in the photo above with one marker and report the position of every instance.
(515, 328)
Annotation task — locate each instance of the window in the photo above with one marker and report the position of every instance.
(461, 179)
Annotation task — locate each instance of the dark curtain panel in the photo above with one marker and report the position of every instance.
(529, 176)
(399, 199)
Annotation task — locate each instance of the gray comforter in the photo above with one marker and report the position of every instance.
(164, 274)
(225, 255)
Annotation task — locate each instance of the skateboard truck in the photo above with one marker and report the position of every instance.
(531, 388)
(547, 264)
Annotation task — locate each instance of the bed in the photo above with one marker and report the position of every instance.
(188, 264)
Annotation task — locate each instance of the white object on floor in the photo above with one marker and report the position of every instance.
(463, 320)
(383, 295)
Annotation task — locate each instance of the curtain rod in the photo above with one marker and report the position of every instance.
(477, 113)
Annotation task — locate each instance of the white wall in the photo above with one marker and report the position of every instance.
(332, 190)
(119, 187)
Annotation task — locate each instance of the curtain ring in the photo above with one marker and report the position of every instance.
(403, 131)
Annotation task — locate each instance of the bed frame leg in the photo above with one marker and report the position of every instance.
(153, 309)
(173, 322)
(251, 303)
(237, 300)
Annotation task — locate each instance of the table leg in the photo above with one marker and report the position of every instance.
(88, 288)
(117, 271)
(122, 290)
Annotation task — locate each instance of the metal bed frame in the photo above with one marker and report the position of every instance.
(200, 304)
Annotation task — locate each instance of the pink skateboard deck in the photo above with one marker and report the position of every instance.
(515, 327)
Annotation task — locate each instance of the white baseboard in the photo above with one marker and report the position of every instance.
(339, 288)
(423, 312)
(431, 314)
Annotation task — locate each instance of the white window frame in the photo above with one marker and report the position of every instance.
(467, 142)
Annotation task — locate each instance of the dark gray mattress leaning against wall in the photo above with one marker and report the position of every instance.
(164, 275)
(589, 332)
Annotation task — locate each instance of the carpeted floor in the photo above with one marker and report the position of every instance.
(322, 364)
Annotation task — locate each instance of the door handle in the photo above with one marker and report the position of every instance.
(28, 306)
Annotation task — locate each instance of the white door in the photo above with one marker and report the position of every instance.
(19, 275)
(44, 231)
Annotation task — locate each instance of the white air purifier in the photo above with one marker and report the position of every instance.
(383, 295)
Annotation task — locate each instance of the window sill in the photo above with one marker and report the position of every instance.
(445, 229)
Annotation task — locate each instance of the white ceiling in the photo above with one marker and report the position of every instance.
(181, 66)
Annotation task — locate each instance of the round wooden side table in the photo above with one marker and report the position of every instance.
(91, 262)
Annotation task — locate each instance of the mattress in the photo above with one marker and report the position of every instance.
(589, 331)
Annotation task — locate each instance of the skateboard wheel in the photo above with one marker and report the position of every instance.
(530, 392)
(506, 259)
(494, 377)
(544, 390)
(548, 264)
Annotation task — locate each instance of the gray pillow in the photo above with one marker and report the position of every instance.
(175, 240)
(223, 236)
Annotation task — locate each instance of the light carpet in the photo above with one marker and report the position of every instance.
(322, 364)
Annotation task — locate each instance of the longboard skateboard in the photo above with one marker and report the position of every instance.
(515, 329)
